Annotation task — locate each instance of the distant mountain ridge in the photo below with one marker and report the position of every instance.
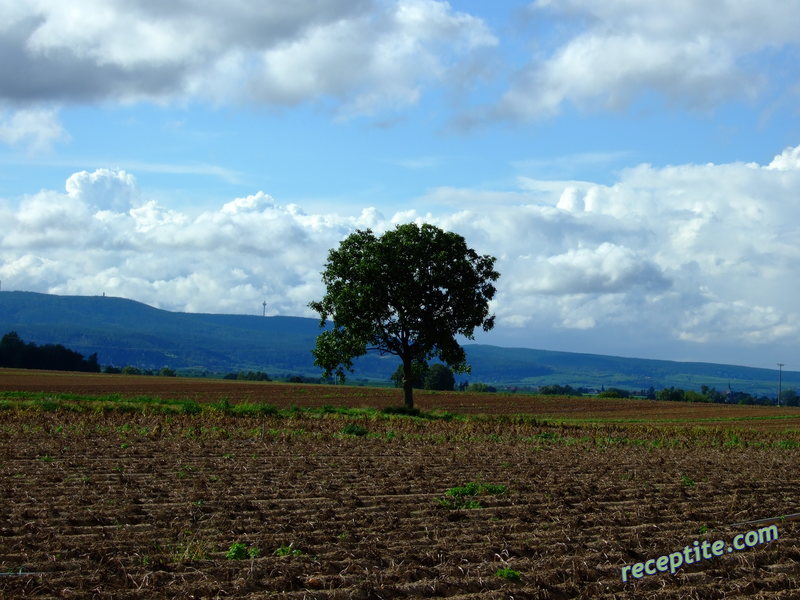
(126, 332)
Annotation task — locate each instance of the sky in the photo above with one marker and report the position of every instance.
(633, 166)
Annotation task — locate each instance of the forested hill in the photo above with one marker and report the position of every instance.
(125, 332)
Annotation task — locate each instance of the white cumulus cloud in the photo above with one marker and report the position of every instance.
(351, 57)
(104, 188)
(33, 129)
(363, 54)
(693, 54)
(687, 254)
(787, 160)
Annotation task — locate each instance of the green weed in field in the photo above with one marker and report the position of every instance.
(191, 408)
(459, 503)
(223, 406)
(289, 550)
(509, 574)
(786, 444)
(465, 496)
(733, 441)
(184, 472)
(240, 551)
(354, 429)
(344, 536)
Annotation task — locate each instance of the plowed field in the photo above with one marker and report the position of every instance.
(285, 395)
(111, 505)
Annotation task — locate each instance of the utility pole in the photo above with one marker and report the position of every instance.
(780, 381)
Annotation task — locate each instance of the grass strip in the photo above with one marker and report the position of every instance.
(68, 402)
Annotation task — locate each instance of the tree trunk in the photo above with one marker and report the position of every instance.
(408, 383)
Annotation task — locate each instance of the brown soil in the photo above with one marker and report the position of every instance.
(146, 506)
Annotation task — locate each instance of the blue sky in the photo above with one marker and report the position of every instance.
(635, 167)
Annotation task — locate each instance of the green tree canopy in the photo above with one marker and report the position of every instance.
(409, 293)
(419, 372)
(790, 398)
(613, 392)
(439, 377)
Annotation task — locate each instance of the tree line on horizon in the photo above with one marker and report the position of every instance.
(672, 394)
(436, 377)
(15, 353)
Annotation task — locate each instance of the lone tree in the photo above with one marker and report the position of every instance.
(408, 293)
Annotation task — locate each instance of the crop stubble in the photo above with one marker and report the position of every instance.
(146, 506)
